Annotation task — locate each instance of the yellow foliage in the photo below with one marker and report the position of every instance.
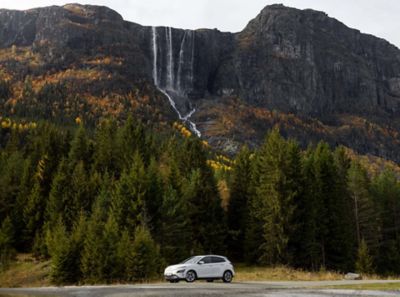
(216, 166)
(224, 193)
(182, 129)
(78, 120)
(8, 124)
(205, 143)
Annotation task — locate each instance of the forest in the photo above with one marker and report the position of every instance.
(119, 202)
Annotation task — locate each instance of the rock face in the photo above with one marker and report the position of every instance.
(305, 62)
(297, 62)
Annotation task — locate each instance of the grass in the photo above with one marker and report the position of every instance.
(282, 273)
(26, 272)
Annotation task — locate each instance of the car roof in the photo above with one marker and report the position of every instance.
(211, 256)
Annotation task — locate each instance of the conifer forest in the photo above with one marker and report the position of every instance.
(120, 201)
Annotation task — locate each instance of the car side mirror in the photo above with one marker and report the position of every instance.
(200, 262)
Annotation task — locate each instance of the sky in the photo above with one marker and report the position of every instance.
(377, 17)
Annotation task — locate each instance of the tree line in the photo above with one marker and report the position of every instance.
(122, 201)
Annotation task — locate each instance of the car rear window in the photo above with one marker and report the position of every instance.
(217, 259)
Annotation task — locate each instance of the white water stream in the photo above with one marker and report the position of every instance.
(174, 84)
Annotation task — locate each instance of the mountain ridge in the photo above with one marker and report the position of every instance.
(287, 67)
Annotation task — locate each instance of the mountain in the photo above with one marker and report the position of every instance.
(299, 69)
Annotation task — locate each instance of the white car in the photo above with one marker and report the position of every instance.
(208, 267)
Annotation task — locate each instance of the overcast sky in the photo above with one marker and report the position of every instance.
(377, 17)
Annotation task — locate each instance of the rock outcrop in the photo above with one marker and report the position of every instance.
(297, 62)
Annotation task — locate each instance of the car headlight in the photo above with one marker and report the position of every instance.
(181, 271)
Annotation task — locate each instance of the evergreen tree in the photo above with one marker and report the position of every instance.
(131, 138)
(129, 195)
(174, 227)
(276, 197)
(386, 194)
(59, 203)
(144, 262)
(94, 250)
(80, 149)
(238, 202)
(364, 262)
(366, 218)
(110, 270)
(65, 250)
(205, 212)
(153, 198)
(104, 157)
(7, 251)
(341, 243)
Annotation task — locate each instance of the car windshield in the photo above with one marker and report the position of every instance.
(189, 260)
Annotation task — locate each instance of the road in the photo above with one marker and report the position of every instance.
(202, 289)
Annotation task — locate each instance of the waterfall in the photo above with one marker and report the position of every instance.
(173, 85)
(180, 64)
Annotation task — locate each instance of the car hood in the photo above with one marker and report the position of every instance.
(174, 268)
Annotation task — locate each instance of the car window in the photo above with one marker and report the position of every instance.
(191, 260)
(217, 259)
(206, 260)
(186, 260)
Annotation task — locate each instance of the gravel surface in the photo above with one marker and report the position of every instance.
(201, 289)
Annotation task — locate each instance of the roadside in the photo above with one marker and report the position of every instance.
(26, 272)
(201, 289)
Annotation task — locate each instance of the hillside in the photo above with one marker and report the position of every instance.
(307, 73)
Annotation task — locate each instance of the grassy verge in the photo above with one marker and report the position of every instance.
(26, 272)
(282, 273)
(377, 286)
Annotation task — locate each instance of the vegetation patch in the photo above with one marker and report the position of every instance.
(26, 271)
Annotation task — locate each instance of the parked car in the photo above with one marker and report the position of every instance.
(208, 267)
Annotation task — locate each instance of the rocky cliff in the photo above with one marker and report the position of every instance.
(299, 69)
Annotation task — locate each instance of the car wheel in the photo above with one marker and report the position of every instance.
(190, 276)
(227, 277)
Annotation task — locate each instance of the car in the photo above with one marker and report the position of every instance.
(208, 267)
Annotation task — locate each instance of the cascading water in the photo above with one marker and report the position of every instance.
(171, 85)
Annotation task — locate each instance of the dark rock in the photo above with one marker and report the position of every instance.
(294, 61)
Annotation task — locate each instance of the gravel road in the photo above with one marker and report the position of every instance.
(202, 289)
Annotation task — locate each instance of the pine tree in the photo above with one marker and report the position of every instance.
(21, 240)
(94, 250)
(174, 227)
(80, 149)
(386, 193)
(111, 270)
(309, 207)
(7, 251)
(153, 198)
(276, 195)
(131, 138)
(80, 190)
(65, 250)
(364, 262)
(144, 262)
(104, 157)
(205, 212)
(342, 240)
(123, 252)
(366, 218)
(128, 198)
(59, 203)
(238, 202)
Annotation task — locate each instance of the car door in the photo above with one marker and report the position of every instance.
(204, 267)
(218, 266)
